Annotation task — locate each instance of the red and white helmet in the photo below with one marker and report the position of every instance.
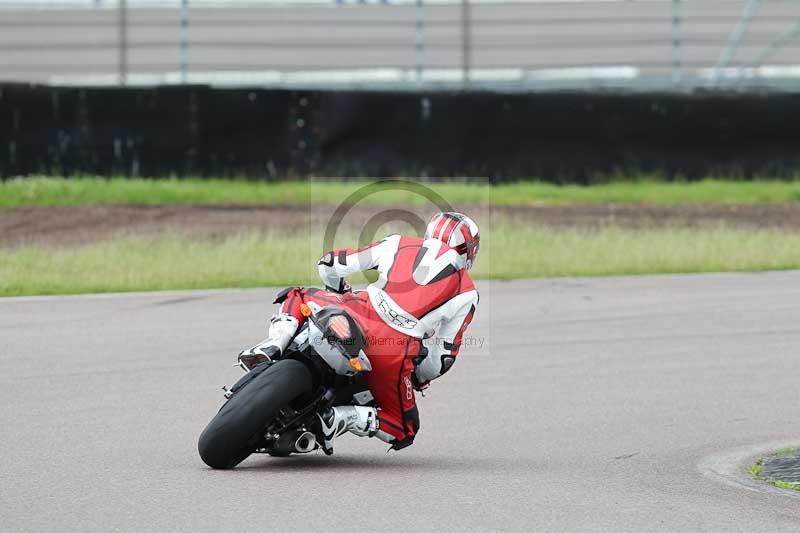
(458, 232)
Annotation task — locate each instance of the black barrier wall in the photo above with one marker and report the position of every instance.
(559, 137)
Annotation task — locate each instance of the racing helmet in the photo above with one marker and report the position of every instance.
(457, 231)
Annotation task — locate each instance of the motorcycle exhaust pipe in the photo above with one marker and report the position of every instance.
(305, 443)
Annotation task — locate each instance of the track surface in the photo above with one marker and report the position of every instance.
(589, 407)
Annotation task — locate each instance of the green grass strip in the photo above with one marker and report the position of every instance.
(43, 191)
(254, 260)
(756, 471)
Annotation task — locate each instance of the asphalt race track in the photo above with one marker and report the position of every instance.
(592, 405)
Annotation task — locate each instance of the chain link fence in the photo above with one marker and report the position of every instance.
(413, 45)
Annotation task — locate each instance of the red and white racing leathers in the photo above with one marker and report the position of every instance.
(422, 302)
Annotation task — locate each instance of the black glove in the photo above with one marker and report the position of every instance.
(343, 287)
(417, 384)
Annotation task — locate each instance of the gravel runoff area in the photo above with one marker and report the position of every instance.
(77, 225)
(576, 405)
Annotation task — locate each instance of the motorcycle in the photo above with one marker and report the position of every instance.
(273, 408)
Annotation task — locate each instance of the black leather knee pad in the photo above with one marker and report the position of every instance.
(405, 443)
(412, 417)
(283, 294)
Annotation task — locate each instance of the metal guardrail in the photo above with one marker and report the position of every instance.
(416, 44)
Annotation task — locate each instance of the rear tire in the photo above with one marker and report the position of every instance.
(233, 434)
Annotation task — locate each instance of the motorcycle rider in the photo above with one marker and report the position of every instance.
(423, 292)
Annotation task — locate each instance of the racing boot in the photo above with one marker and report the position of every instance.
(282, 328)
(357, 419)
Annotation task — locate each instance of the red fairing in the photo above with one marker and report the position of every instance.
(391, 354)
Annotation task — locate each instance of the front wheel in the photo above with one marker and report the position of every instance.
(233, 434)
